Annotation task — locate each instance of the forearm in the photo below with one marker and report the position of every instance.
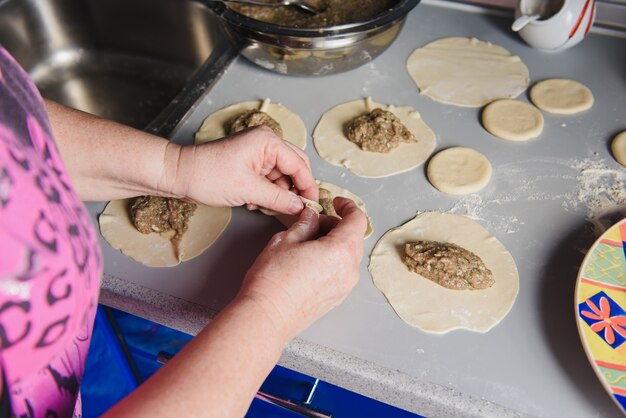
(217, 373)
(106, 160)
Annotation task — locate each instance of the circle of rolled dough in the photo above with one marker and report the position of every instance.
(618, 148)
(217, 125)
(513, 120)
(154, 250)
(561, 96)
(459, 171)
(467, 72)
(428, 306)
(332, 144)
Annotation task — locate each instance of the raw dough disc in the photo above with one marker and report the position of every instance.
(459, 171)
(428, 306)
(333, 146)
(512, 120)
(216, 125)
(339, 191)
(467, 72)
(618, 147)
(561, 96)
(154, 250)
(289, 220)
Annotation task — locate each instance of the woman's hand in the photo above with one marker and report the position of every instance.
(254, 168)
(301, 275)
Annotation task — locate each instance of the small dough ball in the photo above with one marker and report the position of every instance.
(618, 148)
(459, 171)
(512, 120)
(467, 72)
(561, 96)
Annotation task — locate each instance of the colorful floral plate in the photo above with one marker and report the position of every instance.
(601, 310)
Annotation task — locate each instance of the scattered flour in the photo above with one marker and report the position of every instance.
(473, 206)
(601, 192)
(590, 186)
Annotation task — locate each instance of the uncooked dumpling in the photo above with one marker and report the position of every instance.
(332, 144)
(217, 125)
(467, 72)
(336, 191)
(154, 250)
(428, 306)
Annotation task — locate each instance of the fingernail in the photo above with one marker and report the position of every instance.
(296, 205)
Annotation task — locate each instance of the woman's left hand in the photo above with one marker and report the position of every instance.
(254, 168)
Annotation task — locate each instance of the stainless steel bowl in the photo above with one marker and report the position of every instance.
(314, 51)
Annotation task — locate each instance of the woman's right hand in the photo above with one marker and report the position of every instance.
(308, 269)
(253, 167)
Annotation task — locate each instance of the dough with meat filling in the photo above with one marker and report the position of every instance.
(156, 250)
(335, 191)
(332, 144)
(217, 125)
(425, 304)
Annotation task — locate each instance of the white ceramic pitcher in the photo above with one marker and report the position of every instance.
(554, 24)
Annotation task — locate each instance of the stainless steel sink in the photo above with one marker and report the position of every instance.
(124, 60)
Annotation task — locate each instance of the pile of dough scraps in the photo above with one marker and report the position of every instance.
(448, 265)
(378, 131)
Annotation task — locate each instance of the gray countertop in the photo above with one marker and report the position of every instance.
(547, 201)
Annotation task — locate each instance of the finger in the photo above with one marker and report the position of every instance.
(327, 223)
(274, 175)
(284, 182)
(290, 162)
(352, 224)
(250, 206)
(275, 198)
(300, 152)
(305, 228)
(268, 212)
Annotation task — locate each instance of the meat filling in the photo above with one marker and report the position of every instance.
(255, 118)
(378, 131)
(334, 12)
(326, 200)
(448, 265)
(161, 215)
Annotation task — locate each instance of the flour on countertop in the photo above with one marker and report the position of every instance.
(601, 191)
(473, 206)
(591, 186)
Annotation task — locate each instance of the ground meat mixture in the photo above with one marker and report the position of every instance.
(255, 118)
(334, 12)
(161, 214)
(326, 200)
(448, 265)
(378, 131)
